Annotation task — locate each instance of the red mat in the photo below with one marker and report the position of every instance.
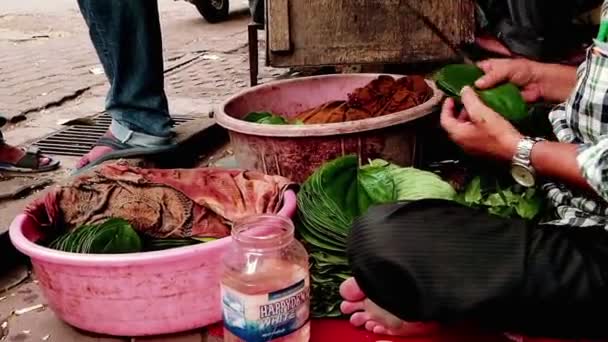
(327, 330)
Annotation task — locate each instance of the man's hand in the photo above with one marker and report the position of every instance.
(478, 129)
(521, 72)
(537, 81)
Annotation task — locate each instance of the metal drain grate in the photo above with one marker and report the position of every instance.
(77, 140)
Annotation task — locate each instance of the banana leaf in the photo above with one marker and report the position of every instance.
(505, 99)
(114, 236)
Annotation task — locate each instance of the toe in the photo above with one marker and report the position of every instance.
(44, 161)
(351, 291)
(370, 325)
(348, 308)
(380, 330)
(84, 161)
(381, 315)
(359, 319)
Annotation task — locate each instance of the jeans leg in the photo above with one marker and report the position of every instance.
(127, 38)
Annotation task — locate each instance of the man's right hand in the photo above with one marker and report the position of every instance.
(537, 81)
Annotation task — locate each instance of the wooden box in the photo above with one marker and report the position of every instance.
(334, 32)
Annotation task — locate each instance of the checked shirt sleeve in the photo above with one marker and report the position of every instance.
(593, 163)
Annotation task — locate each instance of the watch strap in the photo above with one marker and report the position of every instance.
(524, 151)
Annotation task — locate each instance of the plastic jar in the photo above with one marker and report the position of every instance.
(265, 283)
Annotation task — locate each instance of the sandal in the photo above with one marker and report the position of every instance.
(122, 150)
(30, 163)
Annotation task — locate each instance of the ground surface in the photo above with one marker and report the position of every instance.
(49, 74)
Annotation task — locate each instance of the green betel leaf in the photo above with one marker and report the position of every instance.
(256, 116)
(272, 120)
(376, 186)
(472, 193)
(111, 237)
(452, 78)
(507, 101)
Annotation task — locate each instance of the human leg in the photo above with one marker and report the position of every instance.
(127, 38)
(437, 261)
(16, 159)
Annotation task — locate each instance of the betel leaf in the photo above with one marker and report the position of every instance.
(472, 194)
(256, 116)
(502, 197)
(376, 186)
(272, 120)
(113, 236)
(162, 244)
(265, 118)
(531, 206)
(452, 78)
(505, 99)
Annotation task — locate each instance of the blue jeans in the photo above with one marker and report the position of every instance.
(127, 37)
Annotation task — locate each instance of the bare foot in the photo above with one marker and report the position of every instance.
(94, 154)
(12, 155)
(364, 313)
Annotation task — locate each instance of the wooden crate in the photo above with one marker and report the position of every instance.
(333, 32)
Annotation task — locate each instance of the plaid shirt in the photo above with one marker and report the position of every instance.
(583, 120)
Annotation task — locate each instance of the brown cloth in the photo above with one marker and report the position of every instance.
(174, 203)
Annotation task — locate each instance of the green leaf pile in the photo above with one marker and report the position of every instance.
(333, 197)
(265, 118)
(505, 200)
(114, 236)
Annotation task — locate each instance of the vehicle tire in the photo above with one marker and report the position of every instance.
(213, 11)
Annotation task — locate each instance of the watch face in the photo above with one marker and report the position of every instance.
(522, 175)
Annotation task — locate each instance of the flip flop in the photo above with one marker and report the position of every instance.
(122, 150)
(30, 163)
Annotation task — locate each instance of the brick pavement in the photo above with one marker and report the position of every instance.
(39, 72)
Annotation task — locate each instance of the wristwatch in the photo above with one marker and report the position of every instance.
(521, 165)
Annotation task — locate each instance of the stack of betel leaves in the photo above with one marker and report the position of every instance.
(112, 236)
(333, 197)
(115, 236)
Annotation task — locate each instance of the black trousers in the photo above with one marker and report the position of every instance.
(439, 261)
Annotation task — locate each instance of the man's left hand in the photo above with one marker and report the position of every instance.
(478, 129)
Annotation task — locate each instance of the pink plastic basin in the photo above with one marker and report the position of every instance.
(130, 294)
(296, 151)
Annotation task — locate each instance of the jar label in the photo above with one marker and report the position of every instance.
(264, 317)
